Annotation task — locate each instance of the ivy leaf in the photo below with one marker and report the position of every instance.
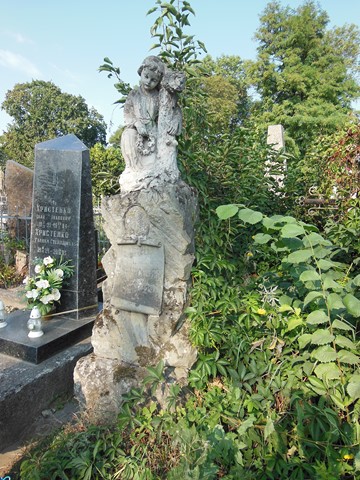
(226, 211)
(250, 216)
(322, 336)
(292, 230)
(345, 342)
(325, 354)
(269, 428)
(311, 296)
(353, 387)
(309, 276)
(352, 305)
(328, 371)
(316, 317)
(249, 422)
(299, 256)
(348, 357)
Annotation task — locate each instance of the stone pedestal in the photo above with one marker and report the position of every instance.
(148, 267)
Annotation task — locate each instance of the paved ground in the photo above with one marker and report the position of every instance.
(13, 297)
(49, 421)
(63, 411)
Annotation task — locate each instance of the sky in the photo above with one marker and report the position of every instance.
(65, 42)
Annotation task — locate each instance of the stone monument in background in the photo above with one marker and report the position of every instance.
(150, 225)
(62, 219)
(276, 140)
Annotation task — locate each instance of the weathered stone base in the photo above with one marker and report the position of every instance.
(145, 296)
(99, 384)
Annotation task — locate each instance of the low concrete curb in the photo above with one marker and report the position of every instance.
(27, 389)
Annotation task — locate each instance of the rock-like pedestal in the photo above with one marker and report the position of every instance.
(148, 268)
(150, 226)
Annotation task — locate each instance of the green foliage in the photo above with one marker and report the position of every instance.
(177, 49)
(305, 73)
(41, 111)
(106, 166)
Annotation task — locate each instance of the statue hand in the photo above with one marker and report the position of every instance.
(140, 127)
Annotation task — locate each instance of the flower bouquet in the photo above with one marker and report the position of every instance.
(43, 289)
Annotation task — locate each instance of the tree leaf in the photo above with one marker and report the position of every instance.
(317, 385)
(299, 256)
(311, 296)
(250, 216)
(353, 387)
(262, 238)
(344, 342)
(348, 357)
(316, 317)
(226, 211)
(325, 264)
(352, 305)
(327, 371)
(356, 281)
(329, 283)
(285, 308)
(325, 354)
(334, 301)
(294, 322)
(340, 325)
(304, 340)
(309, 276)
(292, 230)
(322, 336)
(313, 239)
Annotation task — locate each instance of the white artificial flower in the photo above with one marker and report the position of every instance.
(47, 299)
(56, 294)
(48, 260)
(42, 284)
(59, 273)
(37, 268)
(32, 293)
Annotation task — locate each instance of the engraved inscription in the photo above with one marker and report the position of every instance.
(52, 229)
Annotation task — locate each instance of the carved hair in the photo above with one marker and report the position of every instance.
(154, 64)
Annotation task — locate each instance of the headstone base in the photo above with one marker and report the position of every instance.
(60, 332)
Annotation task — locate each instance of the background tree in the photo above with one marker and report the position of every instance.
(106, 166)
(41, 111)
(226, 85)
(304, 73)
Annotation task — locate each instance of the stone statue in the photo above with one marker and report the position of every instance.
(150, 225)
(152, 120)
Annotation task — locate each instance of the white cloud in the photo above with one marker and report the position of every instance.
(18, 62)
(18, 37)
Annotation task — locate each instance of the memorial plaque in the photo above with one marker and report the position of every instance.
(139, 279)
(62, 218)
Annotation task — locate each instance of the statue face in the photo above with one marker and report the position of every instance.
(149, 79)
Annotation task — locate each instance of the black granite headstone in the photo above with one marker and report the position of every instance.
(62, 218)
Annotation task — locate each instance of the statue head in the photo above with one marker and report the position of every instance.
(154, 67)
